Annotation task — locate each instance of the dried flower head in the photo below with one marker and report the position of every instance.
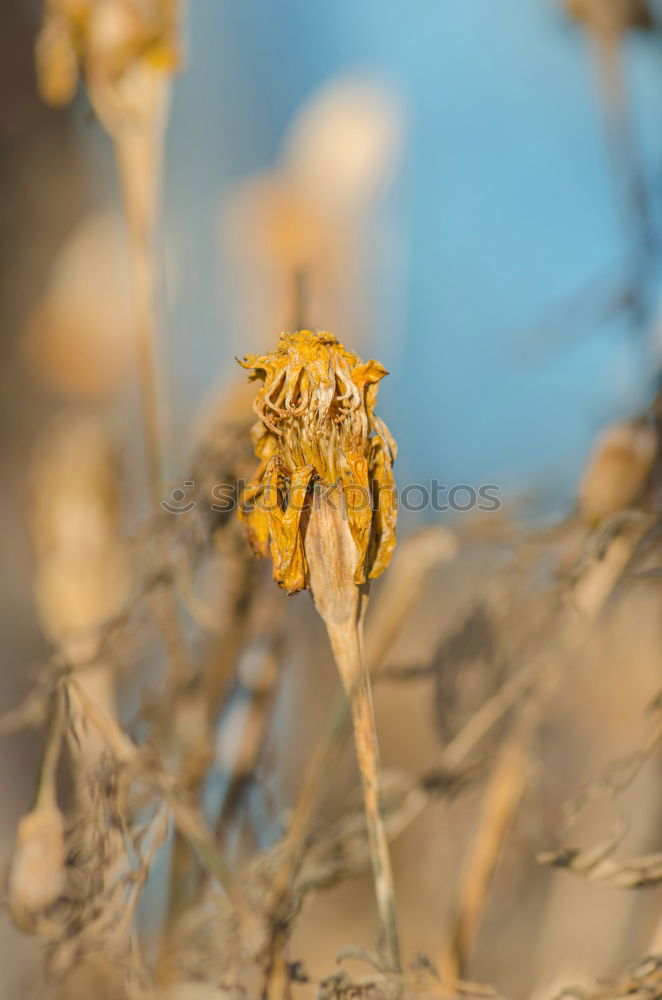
(611, 16)
(104, 40)
(617, 470)
(318, 430)
(82, 571)
(36, 878)
(78, 336)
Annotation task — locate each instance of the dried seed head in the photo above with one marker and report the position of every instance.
(617, 470)
(611, 16)
(78, 337)
(82, 572)
(36, 878)
(317, 429)
(56, 61)
(104, 39)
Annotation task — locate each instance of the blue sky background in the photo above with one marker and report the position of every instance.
(504, 208)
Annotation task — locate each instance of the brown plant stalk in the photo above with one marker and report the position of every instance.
(126, 54)
(341, 604)
(608, 22)
(413, 560)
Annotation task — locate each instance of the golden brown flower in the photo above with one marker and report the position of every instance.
(318, 431)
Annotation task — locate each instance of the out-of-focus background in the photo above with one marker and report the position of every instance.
(469, 192)
(498, 245)
(489, 238)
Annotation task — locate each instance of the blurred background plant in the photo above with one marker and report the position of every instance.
(469, 193)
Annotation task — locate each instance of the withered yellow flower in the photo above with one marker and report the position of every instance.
(317, 430)
(103, 39)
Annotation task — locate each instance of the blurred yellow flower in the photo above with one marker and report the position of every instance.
(318, 431)
(103, 39)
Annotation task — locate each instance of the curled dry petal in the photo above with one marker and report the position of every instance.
(317, 431)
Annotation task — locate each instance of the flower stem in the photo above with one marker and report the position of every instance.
(347, 649)
(138, 156)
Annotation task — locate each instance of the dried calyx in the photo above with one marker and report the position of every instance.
(318, 435)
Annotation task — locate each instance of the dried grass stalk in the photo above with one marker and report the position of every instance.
(126, 53)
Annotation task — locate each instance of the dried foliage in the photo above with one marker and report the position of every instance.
(642, 981)
(167, 853)
(596, 864)
(79, 871)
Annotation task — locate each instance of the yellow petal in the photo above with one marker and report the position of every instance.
(385, 511)
(358, 510)
(286, 544)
